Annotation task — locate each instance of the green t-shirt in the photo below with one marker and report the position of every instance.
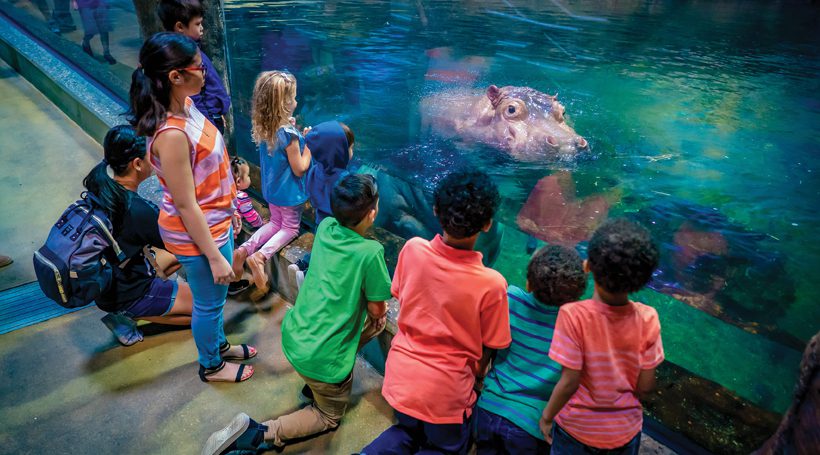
(322, 331)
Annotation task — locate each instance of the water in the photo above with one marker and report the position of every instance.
(702, 118)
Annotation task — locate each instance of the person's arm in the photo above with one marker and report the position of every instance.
(646, 383)
(484, 364)
(377, 310)
(299, 162)
(173, 149)
(562, 392)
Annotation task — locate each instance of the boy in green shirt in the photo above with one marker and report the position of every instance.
(340, 307)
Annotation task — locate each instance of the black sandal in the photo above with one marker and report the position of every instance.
(246, 352)
(205, 372)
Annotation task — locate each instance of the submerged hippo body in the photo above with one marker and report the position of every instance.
(526, 123)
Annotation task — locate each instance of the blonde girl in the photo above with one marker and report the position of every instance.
(284, 160)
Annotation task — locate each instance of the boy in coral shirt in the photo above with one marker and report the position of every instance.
(608, 347)
(454, 314)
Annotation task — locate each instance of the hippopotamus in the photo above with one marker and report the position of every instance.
(527, 124)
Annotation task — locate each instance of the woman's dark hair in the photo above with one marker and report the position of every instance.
(150, 86)
(184, 11)
(353, 197)
(465, 201)
(121, 146)
(622, 256)
(348, 134)
(556, 275)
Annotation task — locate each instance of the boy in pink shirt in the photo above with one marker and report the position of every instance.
(608, 347)
(454, 315)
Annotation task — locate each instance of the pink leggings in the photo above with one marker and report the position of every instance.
(276, 233)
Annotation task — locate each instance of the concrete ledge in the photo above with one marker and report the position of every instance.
(94, 110)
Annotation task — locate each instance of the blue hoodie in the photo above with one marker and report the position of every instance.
(328, 145)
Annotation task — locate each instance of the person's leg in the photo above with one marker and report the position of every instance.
(253, 244)
(513, 439)
(330, 403)
(101, 18)
(486, 433)
(400, 439)
(62, 16)
(181, 308)
(206, 317)
(564, 444)
(289, 218)
(631, 448)
(446, 438)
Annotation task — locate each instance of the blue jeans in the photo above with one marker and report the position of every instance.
(497, 435)
(564, 444)
(412, 435)
(209, 298)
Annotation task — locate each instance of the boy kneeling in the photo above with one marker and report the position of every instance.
(348, 283)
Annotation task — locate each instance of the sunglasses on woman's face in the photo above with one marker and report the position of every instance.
(195, 68)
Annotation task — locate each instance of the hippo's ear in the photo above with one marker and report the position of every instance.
(493, 93)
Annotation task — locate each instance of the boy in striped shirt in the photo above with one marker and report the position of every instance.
(523, 376)
(608, 347)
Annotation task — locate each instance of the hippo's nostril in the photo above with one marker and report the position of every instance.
(552, 141)
(582, 143)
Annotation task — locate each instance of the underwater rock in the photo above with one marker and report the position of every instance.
(524, 122)
(720, 267)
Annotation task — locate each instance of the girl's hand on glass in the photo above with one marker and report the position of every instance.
(221, 270)
(306, 130)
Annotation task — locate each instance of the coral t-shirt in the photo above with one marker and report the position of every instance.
(610, 345)
(451, 306)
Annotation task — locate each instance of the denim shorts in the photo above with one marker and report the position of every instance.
(157, 301)
(497, 435)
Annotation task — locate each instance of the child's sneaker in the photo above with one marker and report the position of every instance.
(123, 327)
(296, 275)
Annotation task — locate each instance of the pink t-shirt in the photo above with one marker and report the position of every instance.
(451, 306)
(610, 345)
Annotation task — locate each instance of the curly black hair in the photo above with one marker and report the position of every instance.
(622, 256)
(465, 201)
(556, 275)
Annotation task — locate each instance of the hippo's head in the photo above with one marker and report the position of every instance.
(527, 123)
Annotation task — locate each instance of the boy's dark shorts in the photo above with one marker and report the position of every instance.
(95, 20)
(157, 301)
(495, 434)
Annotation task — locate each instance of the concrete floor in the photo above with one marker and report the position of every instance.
(44, 158)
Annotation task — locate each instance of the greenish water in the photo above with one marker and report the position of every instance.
(702, 118)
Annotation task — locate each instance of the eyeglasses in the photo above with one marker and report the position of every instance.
(195, 68)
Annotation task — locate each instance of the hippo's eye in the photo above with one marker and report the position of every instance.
(511, 109)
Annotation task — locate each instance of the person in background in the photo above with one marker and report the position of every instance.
(331, 145)
(522, 376)
(94, 16)
(608, 347)
(186, 17)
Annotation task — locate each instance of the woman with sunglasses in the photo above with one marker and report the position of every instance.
(189, 156)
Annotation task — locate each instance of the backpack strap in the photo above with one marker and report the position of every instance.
(102, 226)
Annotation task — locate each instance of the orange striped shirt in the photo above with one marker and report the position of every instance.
(610, 345)
(215, 188)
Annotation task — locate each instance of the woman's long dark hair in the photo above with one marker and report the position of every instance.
(121, 145)
(150, 87)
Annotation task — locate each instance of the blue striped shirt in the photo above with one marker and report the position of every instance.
(523, 376)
